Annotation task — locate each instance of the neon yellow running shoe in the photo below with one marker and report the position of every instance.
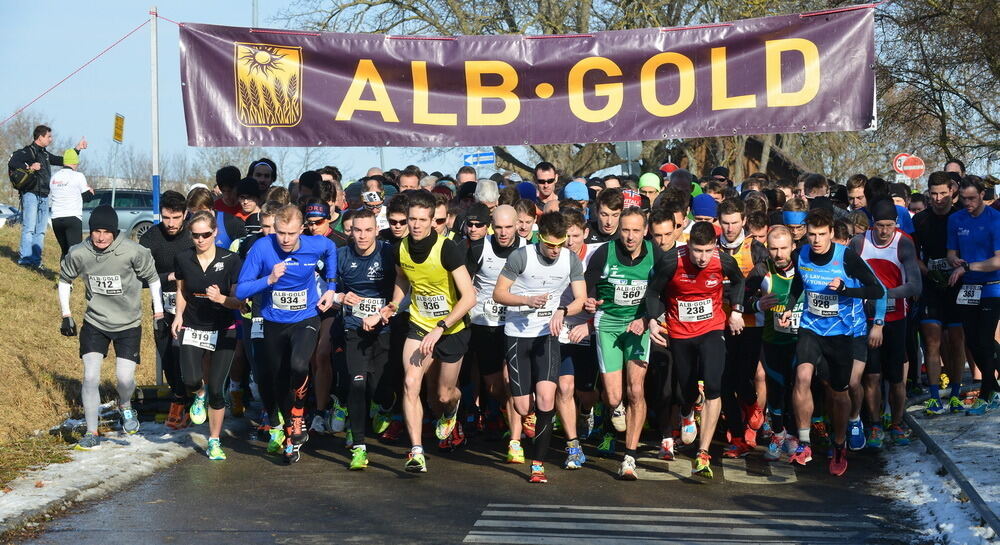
(359, 459)
(515, 453)
(702, 465)
(276, 445)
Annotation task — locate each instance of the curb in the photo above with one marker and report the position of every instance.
(987, 514)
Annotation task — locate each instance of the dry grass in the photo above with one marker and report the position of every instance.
(41, 369)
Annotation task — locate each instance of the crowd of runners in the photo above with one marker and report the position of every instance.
(789, 316)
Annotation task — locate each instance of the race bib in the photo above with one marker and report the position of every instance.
(793, 323)
(170, 302)
(938, 264)
(630, 295)
(494, 311)
(257, 328)
(433, 306)
(289, 300)
(969, 294)
(201, 339)
(550, 306)
(824, 305)
(110, 284)
(695, 311)
(369, 306)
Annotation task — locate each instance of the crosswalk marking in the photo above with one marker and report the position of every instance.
(734, 470)
(600, 525)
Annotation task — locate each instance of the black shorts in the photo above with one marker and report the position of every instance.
(531, 360)
(127, 342)
(449, 348)
(939, 306)
(889, 358)
(832, 356)
(580, 360)
(859, 348)
(488, 344)
(701, 357)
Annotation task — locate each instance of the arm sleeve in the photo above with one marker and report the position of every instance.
(595, 269)
(855, 267)
(575, 268)
(737, 284)
(517, 261)
(473, 254)
(157, 296)
(663, 271)
(452, 256)
(908, 257)
(64, 291)
(250, 283)
(881, 305)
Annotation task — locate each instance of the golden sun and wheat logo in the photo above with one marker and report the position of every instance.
(268, 85)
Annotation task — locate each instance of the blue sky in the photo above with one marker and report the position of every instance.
(48, 40)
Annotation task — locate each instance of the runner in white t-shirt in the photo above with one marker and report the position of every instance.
(66, 200)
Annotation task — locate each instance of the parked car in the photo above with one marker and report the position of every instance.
(134, 207)
(9, 215)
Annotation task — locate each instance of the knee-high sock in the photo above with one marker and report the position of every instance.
(90, 392)
(125, 371)
(543, 433)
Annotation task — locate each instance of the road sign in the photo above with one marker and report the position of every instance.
(484, 158)
(913, 167)
(897, 162)
(119, 134)
(667, 168)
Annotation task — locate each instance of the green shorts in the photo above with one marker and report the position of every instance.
(616, 345)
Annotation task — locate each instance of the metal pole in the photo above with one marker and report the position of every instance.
(255, 13)
(154, 121)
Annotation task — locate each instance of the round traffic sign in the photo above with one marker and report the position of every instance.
(897, 162)
(667, 168)
(913, 167)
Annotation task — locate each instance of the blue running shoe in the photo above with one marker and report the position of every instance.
(978, 408)
(130, 421)
(856, 439)
(197, 410)
(875, 437)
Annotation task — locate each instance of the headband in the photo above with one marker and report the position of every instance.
(793, 218)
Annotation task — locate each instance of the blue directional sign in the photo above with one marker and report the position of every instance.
(484, 158)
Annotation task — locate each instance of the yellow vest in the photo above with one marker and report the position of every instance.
(432, 290)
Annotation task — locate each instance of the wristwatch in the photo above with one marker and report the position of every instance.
(738, 308)
(443, 325)
(564, 309)
(967, 266)
(879, 322)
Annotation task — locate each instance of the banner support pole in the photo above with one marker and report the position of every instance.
(154, 121)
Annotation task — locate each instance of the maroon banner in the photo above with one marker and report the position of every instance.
(793, 73)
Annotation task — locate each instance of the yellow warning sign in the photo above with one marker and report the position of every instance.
(119, 128)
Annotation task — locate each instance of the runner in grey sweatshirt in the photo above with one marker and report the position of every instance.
(113, 269)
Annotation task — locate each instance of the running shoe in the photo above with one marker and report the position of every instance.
(515, 453)
(338, 415)
(607, 446)
(766, 432)
(626, 471)
(296, 430)
(556, 423)
(738, 448)
(876, 437)
(537, 474)
(214, 450)
(955, 404)
(415, 462)
(319, 423)
(585, 423)
(292, 453)
(176, 415)
(934, 407)
(392, 433)
(359, 459)
(197, 410)
(130, 421)
(528, 425)
(599, 414)
(456, 439)
(803, 455)
(978, 408)
(276, 441)
(900, 436)
(446, 424)
(750, 437)
(618, 417)
(773, 453)
(381, 421)
(89, 441)
(790, 445)
(666, 449)
(701, 397)
(819, 434)
(236, 406)
(754, 416)
(886, 419)
(702, 465)
(838, 463)
(856, 439)
(574, 455)
(689, 429)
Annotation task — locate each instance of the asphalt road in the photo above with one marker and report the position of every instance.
(471, 496)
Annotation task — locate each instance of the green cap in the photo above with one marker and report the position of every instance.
(71, 157)
(650, 179)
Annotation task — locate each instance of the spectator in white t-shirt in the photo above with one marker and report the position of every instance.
(67, 189)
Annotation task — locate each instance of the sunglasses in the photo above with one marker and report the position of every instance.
(440, 221)
(197, 236)
(397, 222)
(548, 181)
(315, 222)
(476, 224)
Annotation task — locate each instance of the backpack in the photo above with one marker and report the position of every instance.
(22, 178)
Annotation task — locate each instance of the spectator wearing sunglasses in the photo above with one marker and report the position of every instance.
(545, 180)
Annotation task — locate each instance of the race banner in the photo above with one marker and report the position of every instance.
(785, 74)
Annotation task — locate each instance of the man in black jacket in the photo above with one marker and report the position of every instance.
(35, 194)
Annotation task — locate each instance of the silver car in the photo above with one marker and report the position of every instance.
(134, 207)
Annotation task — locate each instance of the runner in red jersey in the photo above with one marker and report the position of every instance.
(689, 281)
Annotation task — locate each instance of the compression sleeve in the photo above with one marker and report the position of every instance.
(595, 269)
(856, 268)
(881, 305)
(737, 284)
(663, 271)
(64, 290)
(154, 293)
(908, 257)
(250, 283)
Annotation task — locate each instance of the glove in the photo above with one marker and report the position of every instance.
(160, 327)
(68, 327)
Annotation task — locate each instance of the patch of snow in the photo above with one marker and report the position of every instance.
(916, 478)
(120, 460)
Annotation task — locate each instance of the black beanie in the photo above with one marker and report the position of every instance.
(104, 217)
(884, 209)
